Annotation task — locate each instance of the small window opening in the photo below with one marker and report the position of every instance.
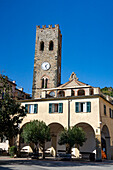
(44, 83)
(52, 94)
(81, 93)
(42, 46)
(61, 94)
(72, 93)
(51, 46)
(82, 107)
(91, 92)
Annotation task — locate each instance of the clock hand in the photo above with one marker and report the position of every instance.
(46, 66)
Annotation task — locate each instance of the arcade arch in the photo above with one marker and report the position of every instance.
(90, 144)
(24, 147)
(105, 142)
(55, 130)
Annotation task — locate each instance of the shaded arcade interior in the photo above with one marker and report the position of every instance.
(89, 146)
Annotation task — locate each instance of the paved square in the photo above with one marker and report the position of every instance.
(16, 164)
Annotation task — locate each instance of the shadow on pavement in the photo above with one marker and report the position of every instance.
(52, 163)
(3, 168)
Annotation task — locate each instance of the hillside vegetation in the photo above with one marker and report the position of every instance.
(107, 91)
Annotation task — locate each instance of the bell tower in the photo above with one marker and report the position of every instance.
(47, 61)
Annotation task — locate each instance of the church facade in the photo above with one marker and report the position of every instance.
(71, 104)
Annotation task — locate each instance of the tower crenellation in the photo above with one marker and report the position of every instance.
(48, 27)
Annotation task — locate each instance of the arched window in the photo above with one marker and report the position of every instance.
(91, 91)
(52, 94)
(41, 46)
(81, 93)
(44, 83)
(51, 46)
(61, 94)
(72, 93)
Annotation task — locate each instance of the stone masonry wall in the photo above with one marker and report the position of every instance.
(53, 57)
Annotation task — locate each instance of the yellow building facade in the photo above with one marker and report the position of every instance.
(75, 104)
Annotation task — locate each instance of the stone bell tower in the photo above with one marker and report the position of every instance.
(47, 61)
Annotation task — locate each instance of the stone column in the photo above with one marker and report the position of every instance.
(96, 90)
(98, 147)
(68, 92)
(87, 92)
(54, 145)
(43, 94)
(76, 92)
(56, 93)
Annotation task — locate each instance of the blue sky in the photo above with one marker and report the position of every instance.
(87, 38)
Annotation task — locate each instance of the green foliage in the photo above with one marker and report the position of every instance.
(11, 113)
(72, 136)
(107, 91)
(12, 151)
(36, 132)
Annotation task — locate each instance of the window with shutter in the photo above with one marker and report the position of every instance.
(26, 108)
(31, 108)
(77, 107)
(60, 108)
(50, 108)
(88, 106)
(82, 107)
(55, 107)
(35, 108)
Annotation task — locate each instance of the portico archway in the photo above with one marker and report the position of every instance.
(55, 130)
(23, 146)
(105, 142)
(89, 146)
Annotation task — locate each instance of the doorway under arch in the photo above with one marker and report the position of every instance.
(89, 146)
(23, 146)
(105, 143)
(55, 130)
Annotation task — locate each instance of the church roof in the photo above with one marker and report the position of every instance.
(73, 82)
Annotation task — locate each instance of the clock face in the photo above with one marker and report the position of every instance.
(45, 66)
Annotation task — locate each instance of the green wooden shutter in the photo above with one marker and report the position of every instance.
(26, 108)
(60, 108)
(88, 106)
(77, 107)
(35, 108)
(50, 107)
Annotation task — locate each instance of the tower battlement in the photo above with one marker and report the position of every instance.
(47, 27)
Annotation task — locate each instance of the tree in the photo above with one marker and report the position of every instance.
(11, 112)
(36, 132)
(72, 136)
